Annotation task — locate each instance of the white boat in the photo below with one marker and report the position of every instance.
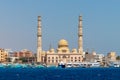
(114, 64)
(69, 65)
(83, 64)
(94, 64)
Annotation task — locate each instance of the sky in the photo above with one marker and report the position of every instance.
(101, 24)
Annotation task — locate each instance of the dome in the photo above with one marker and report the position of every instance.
(52, 50)
(63, 43)
(74, 50)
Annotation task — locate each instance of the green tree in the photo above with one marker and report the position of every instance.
(24, 59)
(118, 58)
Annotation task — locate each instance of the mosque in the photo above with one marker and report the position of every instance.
(62, 53)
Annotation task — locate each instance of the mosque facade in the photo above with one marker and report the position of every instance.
(62, 53)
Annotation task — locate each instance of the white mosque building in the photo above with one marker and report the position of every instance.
(62, 53)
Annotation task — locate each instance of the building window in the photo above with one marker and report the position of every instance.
(48, 57)
(56, 61)
(56, 57)
(49, 61)
(52, 57)
(75, 57)
(71, 57)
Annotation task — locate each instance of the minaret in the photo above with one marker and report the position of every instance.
(39, 40)
(80, 36)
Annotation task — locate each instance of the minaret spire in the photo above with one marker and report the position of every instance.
(39, 40)
(80, 36)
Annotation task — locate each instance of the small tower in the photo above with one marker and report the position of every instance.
(80, 36)
(39, 40)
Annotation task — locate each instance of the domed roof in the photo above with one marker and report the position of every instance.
(52, 50)
(63, 42)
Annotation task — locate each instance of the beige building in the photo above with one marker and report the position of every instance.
(3, 55)
(62, 53)
(111, 56)
(23, 53)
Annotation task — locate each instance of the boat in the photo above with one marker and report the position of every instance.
(61, 64)
(39, 66)
(83, 64)
(114, 64)
(69, 65)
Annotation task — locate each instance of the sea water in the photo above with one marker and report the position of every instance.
(59, 73)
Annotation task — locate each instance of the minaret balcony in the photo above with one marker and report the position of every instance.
(80, 34)
(39, 35)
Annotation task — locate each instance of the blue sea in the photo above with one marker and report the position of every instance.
(59, 73)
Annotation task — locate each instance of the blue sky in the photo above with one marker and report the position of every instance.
(101, 24)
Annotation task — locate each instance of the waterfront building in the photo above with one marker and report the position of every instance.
(89, 57)
(23, 53)
(99, 57)
(3, 55)
(94, 57)
(23, 56)
(62, 53)
(111, 56)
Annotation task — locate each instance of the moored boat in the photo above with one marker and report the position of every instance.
(83, 64)
(61, 65)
